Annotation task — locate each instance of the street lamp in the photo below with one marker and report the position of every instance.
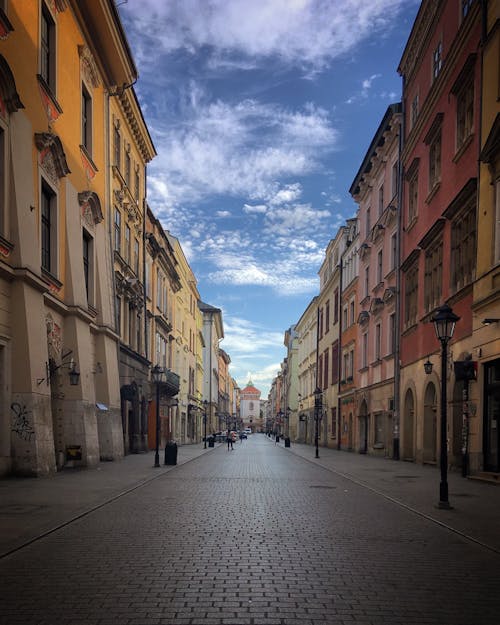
(157, 376)
(444, 322)
(318, 404)
(205, 402)
(428, 366)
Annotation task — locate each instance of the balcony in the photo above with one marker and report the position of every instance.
(171, 384)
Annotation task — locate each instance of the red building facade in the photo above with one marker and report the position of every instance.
(441, 105)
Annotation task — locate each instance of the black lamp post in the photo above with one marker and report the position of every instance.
(428, 366)
(156, 376)
(205, 402)
(444, 322)
(318, 404)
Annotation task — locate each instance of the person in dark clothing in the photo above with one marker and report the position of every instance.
(229, 441)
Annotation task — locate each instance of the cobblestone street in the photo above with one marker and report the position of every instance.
(254, 536)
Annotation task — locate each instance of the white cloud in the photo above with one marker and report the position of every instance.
(223, 214)
(259, 208)
(308, 33)
(239, 149)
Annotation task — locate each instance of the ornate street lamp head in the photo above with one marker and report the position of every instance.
(157, 374)
(428, 366)
(444, 321)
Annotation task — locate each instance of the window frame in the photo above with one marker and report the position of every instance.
(117, 224)
(49, 228)
(88, 264)
(47, 48)
(87, 119)
(411, 295)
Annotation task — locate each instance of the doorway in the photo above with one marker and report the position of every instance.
(430, 425)
(409, 427)
(491, 425)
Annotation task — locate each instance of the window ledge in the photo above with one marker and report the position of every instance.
(463, 148)
(411, 224)
(52, 106)
(378, 446)
(433, 191)
(55, 285)
(88, 158)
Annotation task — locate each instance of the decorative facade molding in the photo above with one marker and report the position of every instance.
(91, 207)
(50, 147)
(10, 102)
(88, 66)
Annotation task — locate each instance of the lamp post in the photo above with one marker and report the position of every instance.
(205, 423)
(287, 426)
(318, 402)
(444, 322)
(156, 376)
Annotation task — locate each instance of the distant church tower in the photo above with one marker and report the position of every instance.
(250, 406)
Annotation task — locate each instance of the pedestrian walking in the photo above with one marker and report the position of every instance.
(277, 440)
(229, 441)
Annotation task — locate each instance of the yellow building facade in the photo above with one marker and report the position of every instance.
(484, 410)
(55, 263)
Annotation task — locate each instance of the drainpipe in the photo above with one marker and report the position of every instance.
(397, 338)
(339, 359)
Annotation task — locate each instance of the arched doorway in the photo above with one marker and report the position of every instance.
(430, 424)
(456, 458)
(363, 428)
(409, 426)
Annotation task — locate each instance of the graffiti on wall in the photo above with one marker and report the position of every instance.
(21, 422)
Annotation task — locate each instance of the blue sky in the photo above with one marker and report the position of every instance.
(261, 112)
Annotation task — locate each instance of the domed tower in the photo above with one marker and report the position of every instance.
(250, 406)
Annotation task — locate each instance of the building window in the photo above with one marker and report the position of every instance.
(345, 317)
(127, 168)
(116, 147)
(378, 339)
(497, 221)
(86, 120)
(392, 333)
(159, 290)
(435, 161)
(130, 338)
(463, 248)
(433, 280)
(118, 312)
(345, 366)
(465, 112)
(3, 179)
(325, 368)
(48, 228)
(437, 60)
(414, 111)
(118, 231)
(394, 251)
(126, 251)
(364, 353)
(379, 429)
(368, 222)
(335, 362)
(336, 306)
(351, 306)
(381, 200)
(136, 185)
(87, 263)
(351, 364)
(466, 7)
(412, 198)
(327, 316)
(394, 180)
(48, 48)
(367, 281)
(380, 269)
(411, 295)
(136, 257)
(334, 422)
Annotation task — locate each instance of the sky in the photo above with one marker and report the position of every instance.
(261, 112)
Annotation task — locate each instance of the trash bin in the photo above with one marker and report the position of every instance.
(287, 442)
(171, 453)
(211, 441)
